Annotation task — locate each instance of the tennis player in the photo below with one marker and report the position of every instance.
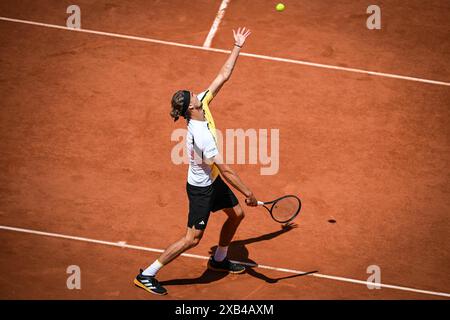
(205, 188)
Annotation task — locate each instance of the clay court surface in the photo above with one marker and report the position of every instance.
(85, 147)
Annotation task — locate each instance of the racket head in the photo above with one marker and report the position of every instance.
(285, 209)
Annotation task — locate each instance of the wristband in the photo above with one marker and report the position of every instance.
(238, 45)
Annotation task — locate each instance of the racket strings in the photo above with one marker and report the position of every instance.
(285, 209)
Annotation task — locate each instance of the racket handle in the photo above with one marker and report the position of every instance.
(260, 203)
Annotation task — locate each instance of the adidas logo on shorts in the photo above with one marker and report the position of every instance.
(202, 222)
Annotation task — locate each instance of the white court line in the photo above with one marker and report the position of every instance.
(122, 244)
(258, 56)
(215, 26)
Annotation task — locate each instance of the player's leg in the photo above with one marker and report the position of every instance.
(235, 216)
(200, 199)
(224, 199)
(146, 278)
(190, 240)
(220, 262)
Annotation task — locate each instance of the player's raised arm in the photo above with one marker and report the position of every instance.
(239, 39)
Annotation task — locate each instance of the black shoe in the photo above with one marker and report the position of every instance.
(225, 265)
(150, 284)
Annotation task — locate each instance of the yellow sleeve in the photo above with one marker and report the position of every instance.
(207, 98)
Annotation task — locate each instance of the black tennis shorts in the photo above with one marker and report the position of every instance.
(203, 200)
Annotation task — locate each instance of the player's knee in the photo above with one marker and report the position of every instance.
(239, 213)
(192, 242)
(195, 242)
(188, 243)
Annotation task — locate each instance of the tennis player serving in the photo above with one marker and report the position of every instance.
(206, 190)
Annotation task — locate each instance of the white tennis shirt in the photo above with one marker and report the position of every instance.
(201, 146)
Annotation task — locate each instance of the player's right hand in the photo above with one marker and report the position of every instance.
(251, 200)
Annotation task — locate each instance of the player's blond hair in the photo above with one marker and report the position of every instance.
(177, 105)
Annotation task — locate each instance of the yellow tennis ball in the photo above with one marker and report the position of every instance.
(280, 7)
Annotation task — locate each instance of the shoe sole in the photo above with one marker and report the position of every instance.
(140, 285)
(225, 270)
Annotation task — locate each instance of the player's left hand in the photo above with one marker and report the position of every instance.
(241, 35)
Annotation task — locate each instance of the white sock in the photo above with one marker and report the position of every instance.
(221, 253)
(153, 269)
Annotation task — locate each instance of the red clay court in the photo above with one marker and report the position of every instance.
(86, 176)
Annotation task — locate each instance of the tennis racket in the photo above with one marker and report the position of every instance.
(283, 209)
